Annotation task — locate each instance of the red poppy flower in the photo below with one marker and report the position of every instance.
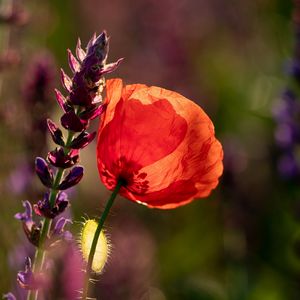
(159, 143)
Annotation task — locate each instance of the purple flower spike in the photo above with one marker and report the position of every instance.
(62, 101)
(26, 279)
(73, 63)
(72, 178)
(59, 159)
(44, 172)
(56, 133)
(44, 209)
(80, 53)
(9, 296)
(92, 113)
(72, 122)
(66, 81)
(82, 140)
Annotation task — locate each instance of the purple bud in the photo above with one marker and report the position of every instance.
(59, 159)
(73, 63)
(44, 172)
(72, 122)
(9, 296)
(26, 279)
(61, 101)
(72, 178)
(111, 67)
(30, 228)
(82, 140)
(56, 133)
(92, 41)
(98, 47)
(27, 215)
(66, 81)
(43, 207)
(80, 53)
(93, 112)
(60, 225)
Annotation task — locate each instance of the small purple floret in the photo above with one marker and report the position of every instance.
(73, 63)
(59, 159)
(82, 140)
(26, 279)
(72, 178)
(56, 133)
(61, 100)
(44, 172)
(43, 207)
(72, 122)
(92, 112)
(59, 229)
(27, 215)
(66, 80)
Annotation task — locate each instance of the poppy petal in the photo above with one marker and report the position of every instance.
(161, 144)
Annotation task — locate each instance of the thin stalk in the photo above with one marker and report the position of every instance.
(40, 251)
(96, 237)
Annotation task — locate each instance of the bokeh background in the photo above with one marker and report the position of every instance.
(231, 57)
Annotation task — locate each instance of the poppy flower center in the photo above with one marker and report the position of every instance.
(131, 178)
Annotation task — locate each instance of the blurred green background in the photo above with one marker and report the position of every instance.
(228, 56)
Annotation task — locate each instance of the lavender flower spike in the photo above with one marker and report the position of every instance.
(86, 82)
(80, 105)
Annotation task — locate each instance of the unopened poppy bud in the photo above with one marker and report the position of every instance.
(59, 159)
(44, 172)
(72, 178)
(72, 122)
(82, 140)
(56, 133)
(102, 248)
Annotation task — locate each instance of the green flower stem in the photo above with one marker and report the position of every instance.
(40, 251)
(96, 237)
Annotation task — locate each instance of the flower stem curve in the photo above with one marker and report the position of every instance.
(96, 237)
